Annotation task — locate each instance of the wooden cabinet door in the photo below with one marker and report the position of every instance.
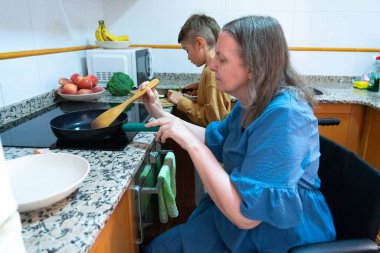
(370, 145)
(120, 231)
(348, 132)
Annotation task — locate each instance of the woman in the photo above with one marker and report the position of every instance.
(266, 198)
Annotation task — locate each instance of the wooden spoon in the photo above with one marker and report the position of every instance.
(106, 118)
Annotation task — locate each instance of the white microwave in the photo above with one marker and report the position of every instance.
(135, 62)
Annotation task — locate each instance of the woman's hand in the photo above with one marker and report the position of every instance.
(175, 129)
(174, 96)
(152, 102)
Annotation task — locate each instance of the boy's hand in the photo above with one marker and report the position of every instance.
(174, 96)
(192, 86)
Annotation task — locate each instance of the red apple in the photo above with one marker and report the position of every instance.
(84, 83)
(84, 91)
(97, 89)
(75, 78)
(93, 79)
(69, 88)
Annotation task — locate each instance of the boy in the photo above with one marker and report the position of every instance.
(198, 38)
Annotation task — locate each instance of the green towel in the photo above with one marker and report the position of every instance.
(166, 196)
(148, 176)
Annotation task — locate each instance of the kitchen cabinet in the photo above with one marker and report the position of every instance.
(120, 231)
(370, 143)
(348, 132)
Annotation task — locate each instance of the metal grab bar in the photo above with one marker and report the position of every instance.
(154, 157)
(137, 190)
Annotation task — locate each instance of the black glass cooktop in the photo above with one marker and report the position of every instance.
(34, 131)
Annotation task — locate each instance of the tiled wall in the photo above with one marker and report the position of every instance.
(39, 24)
(42, 24)
(307, 23)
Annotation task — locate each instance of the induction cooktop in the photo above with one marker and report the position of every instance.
(34, 130)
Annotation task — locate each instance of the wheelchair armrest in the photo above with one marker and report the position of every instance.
(328, 121)
(341, 246)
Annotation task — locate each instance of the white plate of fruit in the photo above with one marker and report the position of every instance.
(79, 88)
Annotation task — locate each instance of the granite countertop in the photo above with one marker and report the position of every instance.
(336, 89)
(73, 224)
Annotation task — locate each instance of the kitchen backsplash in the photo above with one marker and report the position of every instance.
(18, 110)
(42, 24)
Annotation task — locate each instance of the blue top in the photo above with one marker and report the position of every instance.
(273, 164)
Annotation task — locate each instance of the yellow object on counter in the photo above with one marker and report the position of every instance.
(361, 84)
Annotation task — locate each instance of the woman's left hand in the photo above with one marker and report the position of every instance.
(173, 128)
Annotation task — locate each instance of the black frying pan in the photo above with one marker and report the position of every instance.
(76, 126)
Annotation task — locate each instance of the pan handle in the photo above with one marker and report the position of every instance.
(138, 127)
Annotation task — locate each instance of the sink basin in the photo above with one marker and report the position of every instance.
(317, 92)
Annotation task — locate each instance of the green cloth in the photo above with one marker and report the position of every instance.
(148, 176)
(167, 206)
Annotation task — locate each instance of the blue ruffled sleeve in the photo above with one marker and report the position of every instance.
(280, 147)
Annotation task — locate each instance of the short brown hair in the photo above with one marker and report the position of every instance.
(200, 25)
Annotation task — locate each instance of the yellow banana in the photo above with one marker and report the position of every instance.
(107, 36)
(98, 32)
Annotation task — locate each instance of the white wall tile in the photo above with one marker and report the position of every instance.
(277, 5)
(2, 104)
(309, 29)
(15, 23)
(55, 23)
(367, 33)
(307, 63)
(312, 5)
(286, 21)
(54, 66)
(191, 5)
(173, 61)
(170, 24)
(19, 79)
(247, 5)
(131, 5)
(40, 24)
(92, 12)
(234, 14)
(336, 6)
(339, 29)
(338, 63)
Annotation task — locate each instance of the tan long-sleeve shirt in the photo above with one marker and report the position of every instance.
(211, 105)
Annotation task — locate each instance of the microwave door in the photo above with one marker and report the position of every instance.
(149, 63)
(144, 65)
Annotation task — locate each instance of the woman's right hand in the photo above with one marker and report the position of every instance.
(152, 102)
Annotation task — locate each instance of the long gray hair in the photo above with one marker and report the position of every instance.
(265, 52)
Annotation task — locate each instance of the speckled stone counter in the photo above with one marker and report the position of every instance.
(336, 89)
(73, 224)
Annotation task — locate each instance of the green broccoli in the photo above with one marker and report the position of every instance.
(120, 84)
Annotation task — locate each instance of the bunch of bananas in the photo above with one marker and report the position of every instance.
(102, 34)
